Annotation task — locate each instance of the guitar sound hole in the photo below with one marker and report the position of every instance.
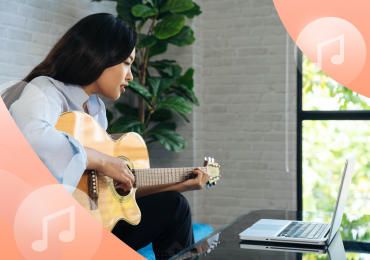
(121, 192)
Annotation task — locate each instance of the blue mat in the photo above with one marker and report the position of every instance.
(200, 231)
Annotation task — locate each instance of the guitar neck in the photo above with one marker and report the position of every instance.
(157, 176)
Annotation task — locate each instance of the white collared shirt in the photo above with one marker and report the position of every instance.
(37, 111)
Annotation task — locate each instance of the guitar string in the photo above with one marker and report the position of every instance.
(139, 174)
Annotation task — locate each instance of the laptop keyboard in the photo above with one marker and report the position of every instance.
(303, 230)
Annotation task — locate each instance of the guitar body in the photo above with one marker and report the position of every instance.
(130, 147)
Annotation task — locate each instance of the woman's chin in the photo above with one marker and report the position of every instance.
(117, 96)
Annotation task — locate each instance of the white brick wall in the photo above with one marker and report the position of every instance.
(239, 62)
(29, 28)
(243, 109)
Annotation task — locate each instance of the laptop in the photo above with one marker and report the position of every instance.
(304, 232)
(335, 250)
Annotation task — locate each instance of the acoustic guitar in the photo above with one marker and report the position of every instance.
(106, 198)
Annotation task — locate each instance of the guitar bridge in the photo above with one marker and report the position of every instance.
(93, 188)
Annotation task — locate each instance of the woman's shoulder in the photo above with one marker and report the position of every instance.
(43, 81)
(43, 87)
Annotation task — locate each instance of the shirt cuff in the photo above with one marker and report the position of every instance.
(76, 166)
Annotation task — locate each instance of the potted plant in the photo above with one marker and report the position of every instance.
(168, 92)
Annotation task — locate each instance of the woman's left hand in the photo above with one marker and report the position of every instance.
(198, 183)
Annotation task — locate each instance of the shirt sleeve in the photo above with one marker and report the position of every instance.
(36, 113)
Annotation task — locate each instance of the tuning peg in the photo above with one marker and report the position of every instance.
(205, 163)
(214, 183)
(213, 159)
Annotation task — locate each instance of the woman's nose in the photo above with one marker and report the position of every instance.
(129, 76)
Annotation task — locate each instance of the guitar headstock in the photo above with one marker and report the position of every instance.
(213, 169)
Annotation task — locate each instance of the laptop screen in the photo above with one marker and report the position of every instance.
(342, 196)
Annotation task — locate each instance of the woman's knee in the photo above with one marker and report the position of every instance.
(176, 199)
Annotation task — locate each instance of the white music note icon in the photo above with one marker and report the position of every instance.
(336, 59)
(65, 236)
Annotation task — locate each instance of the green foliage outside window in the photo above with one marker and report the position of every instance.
(170, 91)
(326, 145)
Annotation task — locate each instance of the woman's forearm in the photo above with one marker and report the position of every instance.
(95, 159)
(145, 191)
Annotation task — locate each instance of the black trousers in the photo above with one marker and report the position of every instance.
(165, 221)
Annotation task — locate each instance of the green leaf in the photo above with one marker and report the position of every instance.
(151, 2)
(186, 93)
(169, 26)
(165, 83)
(109, 116)
(187, 79)
(127, 124)
(159, 84)
(192, 12)
(161, 16)
(183, 38)
(158, 48)
(160, 3)
(176, 71)
(143, 11)
(177, 6)
(146, 41)
(127, 110)
(171, 140)
(186, 119)
(161, 114)
(177, 104)
(154, 83)
(134, 85)
(163, 126)
(163, 65)
(124, 11)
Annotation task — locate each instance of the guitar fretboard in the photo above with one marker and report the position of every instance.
(151, 177)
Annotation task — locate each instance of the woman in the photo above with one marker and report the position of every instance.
(95, 57)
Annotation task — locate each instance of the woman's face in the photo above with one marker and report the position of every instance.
(112, 81)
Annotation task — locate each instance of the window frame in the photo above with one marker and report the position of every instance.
(315, 115)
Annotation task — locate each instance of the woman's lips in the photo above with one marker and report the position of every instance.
(122, 89)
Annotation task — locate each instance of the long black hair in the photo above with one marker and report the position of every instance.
(80, 56)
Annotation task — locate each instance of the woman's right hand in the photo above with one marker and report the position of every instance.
(110, 166)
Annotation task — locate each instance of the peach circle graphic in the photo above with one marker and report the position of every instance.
(335, 46)
(50, 224)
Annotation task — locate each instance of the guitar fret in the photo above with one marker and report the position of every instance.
(157, 176)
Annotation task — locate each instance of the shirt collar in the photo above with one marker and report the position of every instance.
(79, 95)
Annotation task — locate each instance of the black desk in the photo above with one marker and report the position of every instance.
(355, 232)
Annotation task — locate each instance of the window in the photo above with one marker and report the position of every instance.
(332, 122)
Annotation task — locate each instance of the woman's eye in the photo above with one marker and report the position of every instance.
(127, 63)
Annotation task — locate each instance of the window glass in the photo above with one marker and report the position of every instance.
(326, 145)
(320, 92)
